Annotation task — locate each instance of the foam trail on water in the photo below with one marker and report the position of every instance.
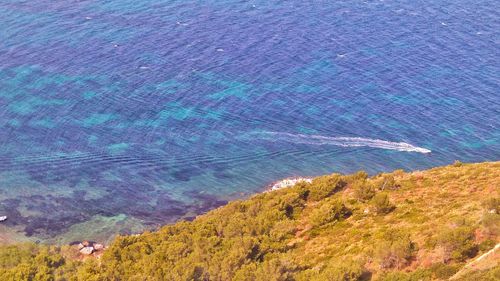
(339, 141)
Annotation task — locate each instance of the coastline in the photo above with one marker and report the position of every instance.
(104, 229)
(333, 212)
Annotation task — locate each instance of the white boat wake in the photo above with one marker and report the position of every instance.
(338, 141)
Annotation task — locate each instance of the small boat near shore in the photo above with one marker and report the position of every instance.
(3, 218)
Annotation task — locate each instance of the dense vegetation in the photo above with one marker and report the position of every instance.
(398, 226)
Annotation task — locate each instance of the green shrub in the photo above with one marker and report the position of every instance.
(396, 252)
(491, 274)
(486, 245)
(282, 230)
(359, 176)
(32, 262)
(417, 275)
(458, 243)
(386, 182)
(491, 224)
(363, 190)
(443, 271)
(273, 270)
(325, 186)
(11, 256)
(303, 189)
(342, 271)
(382, 204)
(332, 210)
(291, 203)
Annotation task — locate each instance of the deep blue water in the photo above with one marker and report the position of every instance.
(135, 113)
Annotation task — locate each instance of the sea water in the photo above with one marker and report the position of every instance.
(122, 115)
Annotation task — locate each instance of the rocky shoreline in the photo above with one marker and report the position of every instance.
(91, 248)
(87, 248)
(288, 182)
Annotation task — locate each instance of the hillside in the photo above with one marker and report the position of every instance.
(424, 225)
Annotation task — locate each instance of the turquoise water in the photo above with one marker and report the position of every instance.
(117, 116)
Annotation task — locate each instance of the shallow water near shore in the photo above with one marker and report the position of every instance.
(121, 116)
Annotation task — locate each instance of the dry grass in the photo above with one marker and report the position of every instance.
(428, 202)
